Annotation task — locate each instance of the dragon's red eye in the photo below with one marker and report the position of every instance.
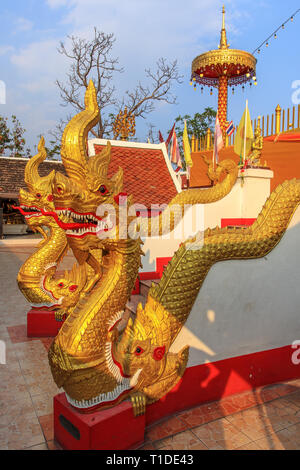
(38, 195)
(103, 189)
(61, 284)
(59, 189)
(138, 351)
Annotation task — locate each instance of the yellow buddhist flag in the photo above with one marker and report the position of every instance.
(186, 147)
(244, 135)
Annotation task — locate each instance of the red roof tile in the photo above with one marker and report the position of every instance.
(146, 175)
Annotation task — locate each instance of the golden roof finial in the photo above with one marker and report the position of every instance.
(223, 41)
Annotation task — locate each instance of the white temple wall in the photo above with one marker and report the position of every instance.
(244, 201)
(246, 306)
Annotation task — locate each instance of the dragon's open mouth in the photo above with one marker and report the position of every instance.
(82, 223)
(28, 211)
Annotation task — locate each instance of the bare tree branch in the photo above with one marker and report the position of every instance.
(91, 59)
(141, 100)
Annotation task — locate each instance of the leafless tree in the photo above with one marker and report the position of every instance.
(91, 59)
(151, 137)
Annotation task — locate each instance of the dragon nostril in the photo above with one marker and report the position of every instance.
(73, 288)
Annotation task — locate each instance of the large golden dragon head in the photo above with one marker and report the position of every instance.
(87, 201)
(36, 278)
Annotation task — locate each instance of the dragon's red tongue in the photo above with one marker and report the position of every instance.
(22, 211)
(66, 225)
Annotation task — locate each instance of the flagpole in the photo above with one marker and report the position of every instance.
(245, 131)
(214, 143)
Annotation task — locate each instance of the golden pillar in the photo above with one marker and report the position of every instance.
(277, 119)
(222, 102)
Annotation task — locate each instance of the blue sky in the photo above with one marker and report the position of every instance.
(145, 30)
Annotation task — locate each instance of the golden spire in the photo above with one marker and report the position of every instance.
(223, 42)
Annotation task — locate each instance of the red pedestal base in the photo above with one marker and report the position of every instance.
(42, 323)
(112, 429)
(117, 428)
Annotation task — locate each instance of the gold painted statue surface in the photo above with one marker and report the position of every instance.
(257, 146)
(36, 277)
(124, 125)
(82, 355)
(99, 357)
(215, 172)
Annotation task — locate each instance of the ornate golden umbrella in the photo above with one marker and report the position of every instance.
(222, 68)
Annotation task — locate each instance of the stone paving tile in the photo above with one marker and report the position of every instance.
(18, 334)
(165, 428)
(221, 434)
(265, 419)
(47, 424)
(147, 446)
(294, 398)
(53, 445)
(38, 447)
(249, 446)
(22, 431)
(277, 441)
(47, 342)
(201, 414)
(252, 423)
(12, 408)
(182, 441)
(38, 387)
(43, 404)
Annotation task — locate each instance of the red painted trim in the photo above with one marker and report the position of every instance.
(149, 275)
(160, 265)
(42, 323)
(136, 289)
(116, 428)
(216, 380)
(236, 221)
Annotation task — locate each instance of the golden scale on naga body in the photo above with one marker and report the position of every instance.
(99, 356)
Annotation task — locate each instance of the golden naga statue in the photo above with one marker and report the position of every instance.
(36, 277)
(98, 357)
(83, 355)
(215, 173)
(257, 146)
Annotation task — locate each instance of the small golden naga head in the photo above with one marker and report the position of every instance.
(137, 361)
(142, 347)
(38, 199)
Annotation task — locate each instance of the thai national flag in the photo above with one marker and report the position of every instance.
(230, 129)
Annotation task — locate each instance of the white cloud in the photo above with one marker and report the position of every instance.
(57, 3)
(39, 59)
(23, 24)
(5, 49)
